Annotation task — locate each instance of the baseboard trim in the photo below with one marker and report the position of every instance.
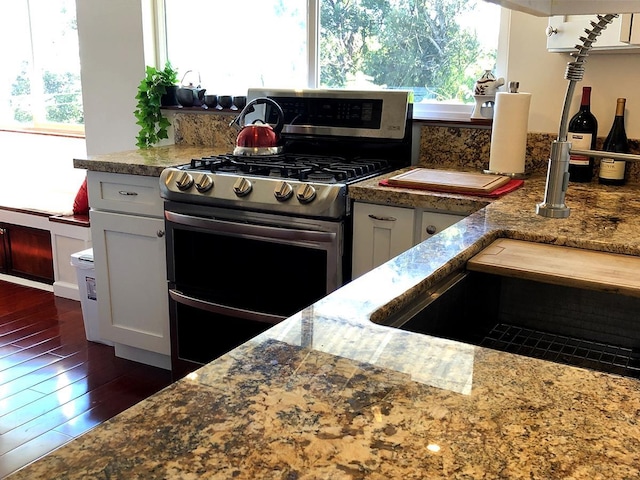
(143, 356)
(66, 290)
(26, 283)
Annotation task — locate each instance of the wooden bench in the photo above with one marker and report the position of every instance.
(37, 246)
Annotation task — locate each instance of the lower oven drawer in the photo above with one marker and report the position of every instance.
(199, 336)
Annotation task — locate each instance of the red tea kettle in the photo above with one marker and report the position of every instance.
(259, 138)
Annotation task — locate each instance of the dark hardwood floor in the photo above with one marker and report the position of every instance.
(54, 384)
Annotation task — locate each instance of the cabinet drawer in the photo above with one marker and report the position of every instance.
(433, 222)
(125, 193)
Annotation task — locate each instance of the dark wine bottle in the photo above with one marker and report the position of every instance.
(583, 131)
(612, 172)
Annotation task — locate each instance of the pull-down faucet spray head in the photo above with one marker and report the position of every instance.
(554, 205)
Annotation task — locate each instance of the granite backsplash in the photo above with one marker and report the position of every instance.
(451, 146)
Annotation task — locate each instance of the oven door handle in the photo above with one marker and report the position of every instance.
(262, 231)
(200, 304)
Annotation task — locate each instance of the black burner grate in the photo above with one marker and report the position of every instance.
(318, 168)
(564, 349)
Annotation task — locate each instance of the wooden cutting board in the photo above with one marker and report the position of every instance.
(572, 267)
(449, 181)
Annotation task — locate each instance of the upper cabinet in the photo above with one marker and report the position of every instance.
(547, 8)
(621, 36)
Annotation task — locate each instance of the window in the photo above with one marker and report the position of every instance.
(40, 76)
(437, 48)
(239, 44)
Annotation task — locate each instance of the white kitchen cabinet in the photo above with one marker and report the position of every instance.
(381, 232)
(545, 8)
(621, 36)
(127, 231)
(435, 222)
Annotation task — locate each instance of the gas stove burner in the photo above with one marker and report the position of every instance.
(321, 177)
(290, 171)
(227, 169)
(318, 159)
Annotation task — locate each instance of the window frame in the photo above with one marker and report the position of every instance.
(156, 46)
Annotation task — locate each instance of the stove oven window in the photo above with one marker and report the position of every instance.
(260, 276)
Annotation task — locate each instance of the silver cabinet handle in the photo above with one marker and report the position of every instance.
(124, 192)
(160, 233)
(384, 219)
(550, 31)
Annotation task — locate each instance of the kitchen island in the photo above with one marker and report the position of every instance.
(329, 394)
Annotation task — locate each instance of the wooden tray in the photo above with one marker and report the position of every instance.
(449, 181)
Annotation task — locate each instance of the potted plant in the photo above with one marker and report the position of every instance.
(156, 90)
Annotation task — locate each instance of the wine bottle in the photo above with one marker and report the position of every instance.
(583, 131)
(612, 171)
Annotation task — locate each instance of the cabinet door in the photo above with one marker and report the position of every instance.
(131, 282)
(564, 34)
(433, 222)
(26, 252)
(380, 232)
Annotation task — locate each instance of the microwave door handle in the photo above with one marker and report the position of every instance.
(260, 231)
(200, 304)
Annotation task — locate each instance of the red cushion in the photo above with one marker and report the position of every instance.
(81, 202)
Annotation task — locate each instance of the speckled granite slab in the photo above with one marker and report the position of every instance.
(147, 162)
(330, 394)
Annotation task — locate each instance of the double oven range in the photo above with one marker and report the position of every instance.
(253, 239)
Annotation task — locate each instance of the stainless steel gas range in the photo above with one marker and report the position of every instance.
(252, 239)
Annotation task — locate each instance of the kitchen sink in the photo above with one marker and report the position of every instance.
(573, 325)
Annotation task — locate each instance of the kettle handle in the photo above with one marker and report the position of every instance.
(261, 101)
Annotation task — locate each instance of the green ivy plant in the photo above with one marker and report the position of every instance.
(153, 125)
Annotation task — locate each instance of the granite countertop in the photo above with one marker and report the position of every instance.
(329, 394)
(147, 162)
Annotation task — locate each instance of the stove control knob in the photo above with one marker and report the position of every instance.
(184, 181)
(242, 187)
(283, 192)
(203, 183)
(306, 193)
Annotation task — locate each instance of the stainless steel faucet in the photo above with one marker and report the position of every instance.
(554, 205)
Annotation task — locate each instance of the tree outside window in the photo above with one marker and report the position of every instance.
(437, 48)
(404, 44)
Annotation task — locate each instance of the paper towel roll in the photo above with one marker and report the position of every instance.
(509, 133)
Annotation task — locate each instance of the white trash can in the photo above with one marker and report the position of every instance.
(86, 274)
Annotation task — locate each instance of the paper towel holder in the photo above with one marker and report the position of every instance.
(513, 88)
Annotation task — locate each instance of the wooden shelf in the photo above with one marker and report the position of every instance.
(203, 109)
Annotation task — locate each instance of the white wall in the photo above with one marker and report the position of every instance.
(542, 73)
(112, 60)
